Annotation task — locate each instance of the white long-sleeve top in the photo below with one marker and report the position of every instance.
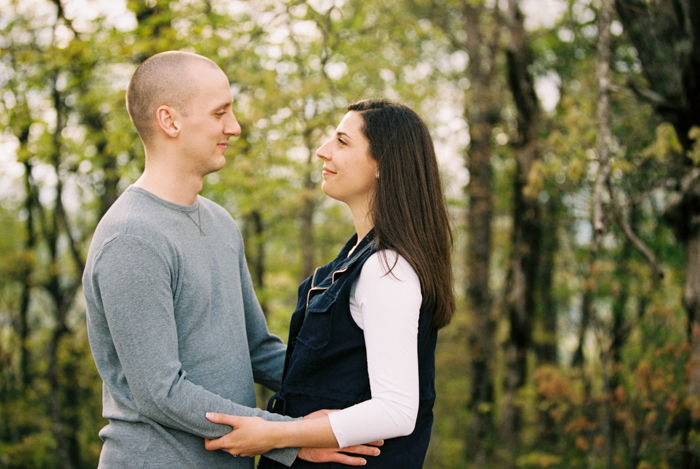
(386, 308)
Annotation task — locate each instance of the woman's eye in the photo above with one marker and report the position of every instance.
(341, 141)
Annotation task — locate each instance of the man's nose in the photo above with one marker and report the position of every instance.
(232, 126)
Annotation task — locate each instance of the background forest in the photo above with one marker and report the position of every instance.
(567, 131)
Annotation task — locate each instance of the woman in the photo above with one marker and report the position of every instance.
(363, 335)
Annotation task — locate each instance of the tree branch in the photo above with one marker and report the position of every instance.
(632, 237)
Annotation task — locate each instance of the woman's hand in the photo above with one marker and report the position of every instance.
(250, 436)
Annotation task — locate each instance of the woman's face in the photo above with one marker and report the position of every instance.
(349, 172)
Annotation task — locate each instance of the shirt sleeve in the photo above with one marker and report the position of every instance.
(267, 351)
(387, 308)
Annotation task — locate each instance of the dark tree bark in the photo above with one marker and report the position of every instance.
(585, 312)
(254, 232)
(308, 209)
(95, 121)
(27, 271)
(62, 291)
(666, 34)
(546, 344)
(254, 242)
(603, 55)
(482, 113)
(522, 275)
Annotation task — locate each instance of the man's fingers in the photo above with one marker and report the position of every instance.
(320, 455)
(348, 460)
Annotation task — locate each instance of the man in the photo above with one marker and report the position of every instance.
(174, 325)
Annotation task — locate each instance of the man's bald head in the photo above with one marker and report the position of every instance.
(167, 78)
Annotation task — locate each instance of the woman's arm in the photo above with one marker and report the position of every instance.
(387, 308)
(252, 436)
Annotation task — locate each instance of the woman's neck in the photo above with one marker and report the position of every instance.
(362, 220)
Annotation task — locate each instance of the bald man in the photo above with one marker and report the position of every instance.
(174, 325)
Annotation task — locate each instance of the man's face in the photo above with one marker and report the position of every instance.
(208, 122)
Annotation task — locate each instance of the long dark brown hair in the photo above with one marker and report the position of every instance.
(408, 208)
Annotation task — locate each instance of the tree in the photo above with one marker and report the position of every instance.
(666, 34)
(523, 269)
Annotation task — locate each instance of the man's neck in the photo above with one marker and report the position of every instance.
(168, 184)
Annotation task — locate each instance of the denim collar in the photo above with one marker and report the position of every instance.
(363, 250)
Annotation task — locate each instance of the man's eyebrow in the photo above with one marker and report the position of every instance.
(223, 105)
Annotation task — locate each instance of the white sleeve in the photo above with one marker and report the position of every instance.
(387, 308)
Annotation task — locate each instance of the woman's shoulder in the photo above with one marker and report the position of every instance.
(388, 263)
(388, 279)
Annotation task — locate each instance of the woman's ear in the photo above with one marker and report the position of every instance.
(167, 119)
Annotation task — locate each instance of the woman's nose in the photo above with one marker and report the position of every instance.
(323, 151)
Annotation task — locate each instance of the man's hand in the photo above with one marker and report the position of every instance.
(337, 454)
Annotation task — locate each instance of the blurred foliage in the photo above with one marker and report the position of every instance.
(68, 148)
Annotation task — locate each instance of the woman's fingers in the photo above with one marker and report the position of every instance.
(218, 443)
(222, 418)
(247, 438)
(222, 442)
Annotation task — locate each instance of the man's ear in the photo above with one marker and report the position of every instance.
(168, 120)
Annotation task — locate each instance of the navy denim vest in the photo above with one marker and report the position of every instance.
(326, 365)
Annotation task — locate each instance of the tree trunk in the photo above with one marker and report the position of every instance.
(603, 116)
(546, 346)
(526, 229)
(27, 282)
(256, 247)
(308, 239)
(55, 402)
(111, 180)
(62, 292)
(691, 301)
(579, 357)
(253, 237)
(482, 113)
(604, 138)
(666, 36)
(546, 340)
(619, 335)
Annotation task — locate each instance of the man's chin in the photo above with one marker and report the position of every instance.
(216, 165)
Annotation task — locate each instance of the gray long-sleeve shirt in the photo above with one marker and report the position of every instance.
(176, 331)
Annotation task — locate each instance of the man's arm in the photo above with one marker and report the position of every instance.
(267, 351)
(132, 279)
